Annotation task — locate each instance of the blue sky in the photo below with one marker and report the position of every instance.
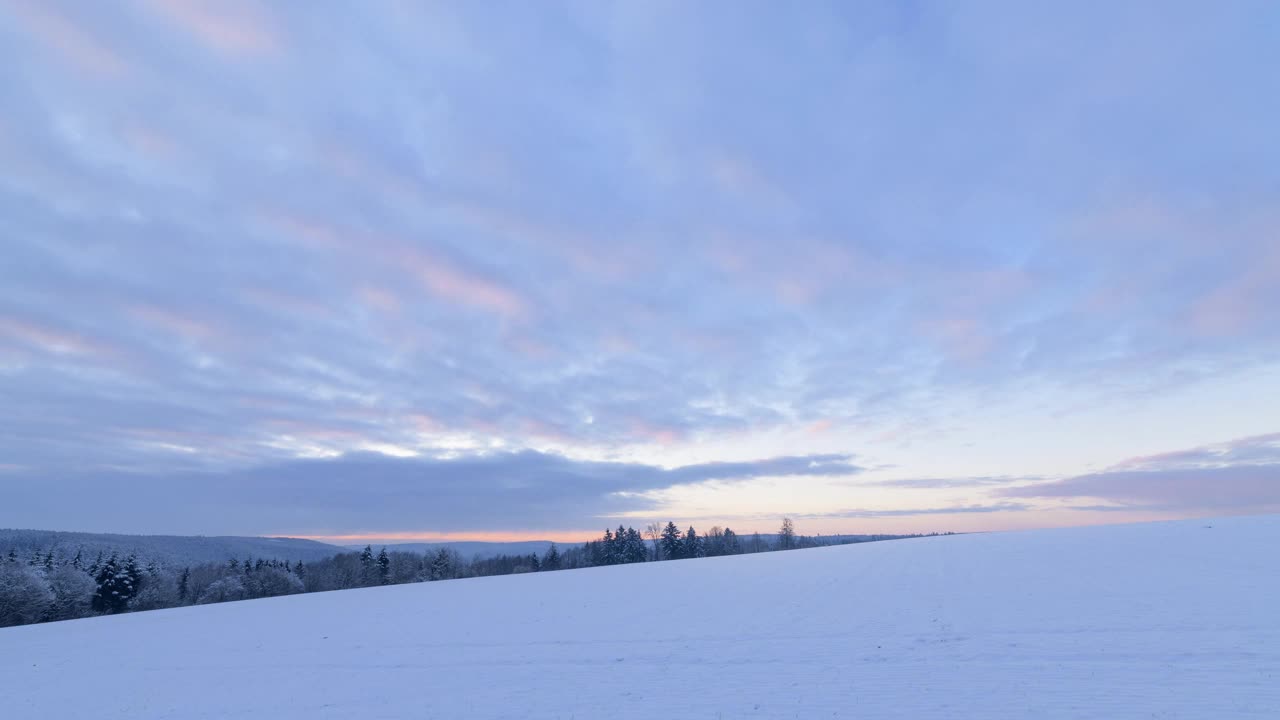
(531, 269)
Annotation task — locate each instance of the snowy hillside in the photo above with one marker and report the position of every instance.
(1172, 620)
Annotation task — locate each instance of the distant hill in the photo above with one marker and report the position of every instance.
(470, 549)
(168, 549)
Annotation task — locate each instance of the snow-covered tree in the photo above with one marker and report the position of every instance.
(271, 582)
(72, 593)
(227, 589)
(384, 567)
(442, 565)
(25, 597)
(114, 588)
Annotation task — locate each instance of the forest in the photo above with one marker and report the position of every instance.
(53, 584)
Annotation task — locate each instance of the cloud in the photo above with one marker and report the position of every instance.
(1241, 475)
(1255, 450)
(502, 491)
(1241, 488)
(945, 483)
(908, 512)
(282, 232)
(235, 28)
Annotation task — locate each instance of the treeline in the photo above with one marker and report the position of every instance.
(48, 585)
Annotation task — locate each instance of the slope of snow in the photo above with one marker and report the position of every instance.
(1168, 620)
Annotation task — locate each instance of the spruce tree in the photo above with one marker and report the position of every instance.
(112, 593)
(607, 548)
(551, 561)
(132, 577)
(184, 583)
(693, 547)
(672, 547)
(441, 565)
(384, 567)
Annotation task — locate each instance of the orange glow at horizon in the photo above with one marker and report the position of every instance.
(560, 536)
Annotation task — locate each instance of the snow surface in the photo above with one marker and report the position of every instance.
(1166, 620)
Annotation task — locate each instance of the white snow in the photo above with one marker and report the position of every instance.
(1167, 620)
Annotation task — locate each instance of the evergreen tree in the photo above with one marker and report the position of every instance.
(533, 562)
(132, 577)
(551, 561)
(76, 562)
(621, 549)
(693, 547)
(48, 562)
(672, 547)
(13, 556)
(384, 566)
(441, 565)
(636, 549)
(97, 565)
(184, 583)
(608, 554)
(730, 542)
(111, 595)
(299, 569)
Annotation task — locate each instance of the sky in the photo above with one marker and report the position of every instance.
(512, 270)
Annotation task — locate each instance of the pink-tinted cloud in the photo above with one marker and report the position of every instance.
(52, 340)
(379, 298)
(451, 283)
(366, 173)
(1247, 300)
(232, 27)
(818, 427)
(644, 431)
(965, 339)
(309, 233)
(184, 325)
(75, 44)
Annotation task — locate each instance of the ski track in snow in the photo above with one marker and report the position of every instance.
(1162, 620)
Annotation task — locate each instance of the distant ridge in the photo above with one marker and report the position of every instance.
(470, 548)
(167, 549)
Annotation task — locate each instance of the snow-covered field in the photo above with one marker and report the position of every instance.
(1168, 620)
